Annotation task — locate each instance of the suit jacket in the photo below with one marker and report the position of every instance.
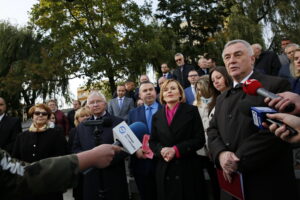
(182, 77)
(265, 160)
(139, 166)
(112, 178)
(268, 63)
(169, 75)
(190, 98)
(181, 178)
(115, 110)
(10, 127)
(71, 115)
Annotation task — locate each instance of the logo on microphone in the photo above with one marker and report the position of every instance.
(122, 129)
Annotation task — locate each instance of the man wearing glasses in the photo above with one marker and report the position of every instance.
(181, 72)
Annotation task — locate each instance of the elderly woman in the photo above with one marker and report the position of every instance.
(295, 72)
(177, 133)
(40, 142)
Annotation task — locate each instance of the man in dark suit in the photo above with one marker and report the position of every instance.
(190, 92)
(166, 71)
(121, 105)
(236, 144)
(143, 168)
(203, 66)
(110, 182)
(71, 113)
(10, 127)
(181, 72)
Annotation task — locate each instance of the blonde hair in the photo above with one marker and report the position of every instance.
(295, 73)
(80, 113)
(181, 91)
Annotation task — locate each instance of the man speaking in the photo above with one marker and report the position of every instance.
(236, 144)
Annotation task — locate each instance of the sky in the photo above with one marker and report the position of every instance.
(16, 12)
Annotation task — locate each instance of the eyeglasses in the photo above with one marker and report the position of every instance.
(40, 113)
(178, 60)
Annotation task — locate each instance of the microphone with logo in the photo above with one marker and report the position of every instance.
(259, 116)
(254, 87)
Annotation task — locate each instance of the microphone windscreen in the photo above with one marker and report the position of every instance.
(250, 86)
(139, 129)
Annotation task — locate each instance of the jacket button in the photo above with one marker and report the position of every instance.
(227, 144)
(229, 116)
(33, 154)
(34, 145)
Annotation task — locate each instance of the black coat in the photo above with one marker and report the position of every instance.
(112, 178)
(265, 160)
(182, 77)
(34, 146)
(181, 178)
(10, 127)
(268, 63)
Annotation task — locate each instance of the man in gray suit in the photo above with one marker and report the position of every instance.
(121, 105)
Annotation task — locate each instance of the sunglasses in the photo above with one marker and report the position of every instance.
(178, 60)
(40, 113)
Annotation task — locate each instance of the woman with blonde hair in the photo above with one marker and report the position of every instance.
(295, 71)
(40, 142)
(177, 133)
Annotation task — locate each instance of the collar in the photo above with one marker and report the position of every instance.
(95, 117)
(154, 105)
(243, 81)
(1, 116)
(121, 98)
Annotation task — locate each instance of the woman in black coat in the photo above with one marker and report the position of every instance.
(177, 133)
(40, 142)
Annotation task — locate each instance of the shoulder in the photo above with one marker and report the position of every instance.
(136, 110)
(115, 120)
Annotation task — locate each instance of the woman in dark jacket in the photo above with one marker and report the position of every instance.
(40, 142)
(177, 133)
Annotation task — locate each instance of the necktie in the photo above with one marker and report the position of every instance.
(120, 103)
(149, 118)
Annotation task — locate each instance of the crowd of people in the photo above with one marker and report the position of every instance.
(194, 119)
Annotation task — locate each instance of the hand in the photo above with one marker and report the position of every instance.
(281, 103)
(229, 163)
(100, 156)
(167, 153)
(140, 153)
(282, 132)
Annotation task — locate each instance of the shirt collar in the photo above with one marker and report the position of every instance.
(245, 79)
(95, 117)
(1, 116)
(154, 105)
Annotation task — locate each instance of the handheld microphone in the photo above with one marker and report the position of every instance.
(259, 116)
(129, 136)
(254, 87)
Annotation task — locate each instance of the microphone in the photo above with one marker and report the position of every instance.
(254, 87)
(129, 136)
(259, 116)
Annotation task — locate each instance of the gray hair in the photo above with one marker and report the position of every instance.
(291, 45)
(96, 93)
(257, 46)
(178, 54)
(244, 42)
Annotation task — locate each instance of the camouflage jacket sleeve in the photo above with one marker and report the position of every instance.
(49, 175)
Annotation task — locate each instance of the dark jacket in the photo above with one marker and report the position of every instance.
(62, 121)
(268, 63)
(182, 76)
(181, 178)
(265, 160)
(111, 179)
(34, 146)
(10, 127)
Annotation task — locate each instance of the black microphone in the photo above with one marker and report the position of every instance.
(254, 87)
(259, 115)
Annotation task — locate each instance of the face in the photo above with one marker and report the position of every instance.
(297, 61)
(290, 52)
(193, 77)
(256, 51)
(52, 118)
(147, 93)
(211, 63)
(121, 91)
(2, 106)
(238, 62)
(82, 118)
(218, 81)
(76, 105)
(144, 79)
(96, 104)
(52, 106)
(202, 63)
(179, 60)
(129, 86)
(171, 93)
(164, 68)
(40, 117)
(161, 81)
(284, 43)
